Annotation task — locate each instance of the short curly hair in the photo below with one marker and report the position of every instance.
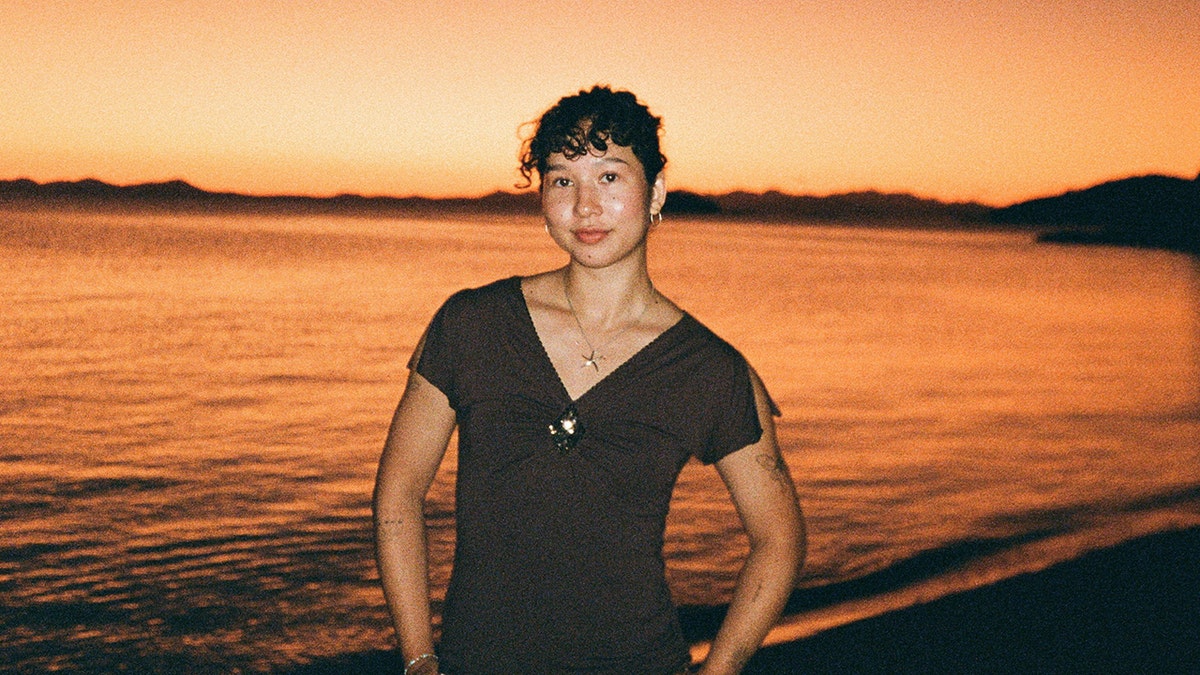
(589, 121)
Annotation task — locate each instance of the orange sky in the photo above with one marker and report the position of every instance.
(993, 100)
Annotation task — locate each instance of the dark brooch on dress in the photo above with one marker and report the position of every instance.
(566, 430)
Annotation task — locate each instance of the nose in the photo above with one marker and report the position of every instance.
(587, 202)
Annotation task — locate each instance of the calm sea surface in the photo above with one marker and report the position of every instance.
(191, 409)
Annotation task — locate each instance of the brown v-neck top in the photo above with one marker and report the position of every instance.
(558, 564)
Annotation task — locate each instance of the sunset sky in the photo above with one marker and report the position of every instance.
(993, 100)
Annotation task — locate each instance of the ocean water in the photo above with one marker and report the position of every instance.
(191, 409)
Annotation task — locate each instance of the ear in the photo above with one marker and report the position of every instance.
(658, 194)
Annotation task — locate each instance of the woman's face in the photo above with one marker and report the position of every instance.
(598, 206)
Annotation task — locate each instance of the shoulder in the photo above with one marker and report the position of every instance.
(732, 367)
(471, 312)
(713, 365)
(465, 318)
(714, 345)
(501, 288)
(481, 298)
(723, 367)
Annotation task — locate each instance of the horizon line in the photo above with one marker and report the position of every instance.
(520, 192)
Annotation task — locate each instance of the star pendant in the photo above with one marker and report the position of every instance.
(592, 361)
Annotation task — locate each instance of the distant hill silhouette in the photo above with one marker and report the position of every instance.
(847, 207)
(770, 206)
(685, 202)
(180, 195)
(1149, 211)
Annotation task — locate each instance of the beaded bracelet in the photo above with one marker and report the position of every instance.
(417, 660)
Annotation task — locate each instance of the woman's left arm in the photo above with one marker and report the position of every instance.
(765, 498)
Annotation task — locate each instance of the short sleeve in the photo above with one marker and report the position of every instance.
(434, 358)
(734, 421)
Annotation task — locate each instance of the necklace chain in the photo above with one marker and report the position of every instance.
(593, 359)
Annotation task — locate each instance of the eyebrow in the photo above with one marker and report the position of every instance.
(559, 166)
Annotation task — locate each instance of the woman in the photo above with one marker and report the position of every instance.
(579, 394)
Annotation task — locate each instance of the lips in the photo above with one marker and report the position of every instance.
(590, 235)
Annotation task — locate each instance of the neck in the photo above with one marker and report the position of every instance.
(609, 296)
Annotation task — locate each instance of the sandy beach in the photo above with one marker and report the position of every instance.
(1134, 608)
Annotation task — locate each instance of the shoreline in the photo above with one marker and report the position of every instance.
(1131, 608)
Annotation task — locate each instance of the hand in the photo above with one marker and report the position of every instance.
(425, 664)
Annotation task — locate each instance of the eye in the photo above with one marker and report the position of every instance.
(561, 182)
(609, 177)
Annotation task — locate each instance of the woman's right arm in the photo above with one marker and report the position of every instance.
(415, 445)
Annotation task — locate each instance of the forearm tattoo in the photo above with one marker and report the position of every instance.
(742, 657)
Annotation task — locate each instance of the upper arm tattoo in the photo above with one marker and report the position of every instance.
(773, 463)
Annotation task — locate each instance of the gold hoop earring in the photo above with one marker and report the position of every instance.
(653, 222)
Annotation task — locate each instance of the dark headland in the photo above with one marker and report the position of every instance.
(1151, 211)
(1146, 211)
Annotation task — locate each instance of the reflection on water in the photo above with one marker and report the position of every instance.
(192, 409)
